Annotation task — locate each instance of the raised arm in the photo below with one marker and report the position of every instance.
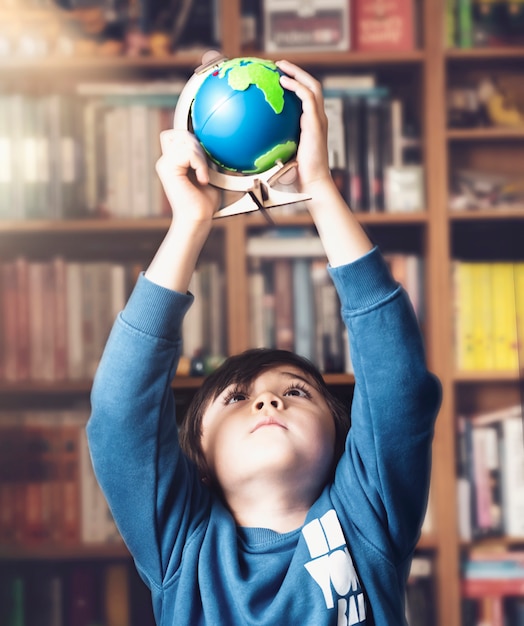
(153, 493)
(396, 399)
(342, 236)
(182, 168)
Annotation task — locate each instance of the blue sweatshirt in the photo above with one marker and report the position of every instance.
(349, 562)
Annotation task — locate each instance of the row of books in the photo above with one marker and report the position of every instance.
(48, 491)
(480, 23)
(490, 480)
(489, 315)
(492, 588)
(93, 153)
(66, 155)
(55, 316)
(293, 302)
(374, 147)
(74, 594)
(342, 25)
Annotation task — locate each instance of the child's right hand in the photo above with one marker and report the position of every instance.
(183, 171)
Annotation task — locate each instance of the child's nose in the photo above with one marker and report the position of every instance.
(267, 399)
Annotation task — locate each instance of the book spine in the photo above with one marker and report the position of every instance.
(504, 317)
(285, 335)
(465, 23)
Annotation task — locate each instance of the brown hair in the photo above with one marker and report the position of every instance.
(242, 369)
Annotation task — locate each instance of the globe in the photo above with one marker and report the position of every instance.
(243, 118)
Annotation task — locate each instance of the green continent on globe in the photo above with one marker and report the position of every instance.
(283, 152)
(241, 73)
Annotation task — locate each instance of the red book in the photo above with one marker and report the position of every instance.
(479, 587)
(383, 25)
(60, 319)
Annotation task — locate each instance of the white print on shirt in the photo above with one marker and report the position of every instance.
(332, 568)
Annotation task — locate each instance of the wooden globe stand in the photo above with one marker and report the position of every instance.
(258, 191)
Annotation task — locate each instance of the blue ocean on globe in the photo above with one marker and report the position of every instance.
(244, 119)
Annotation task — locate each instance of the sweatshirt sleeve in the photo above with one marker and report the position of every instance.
(153, 492)
(383, 478)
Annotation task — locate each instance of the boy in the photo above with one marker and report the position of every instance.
(269, 517)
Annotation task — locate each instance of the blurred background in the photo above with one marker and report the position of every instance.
(425, 102)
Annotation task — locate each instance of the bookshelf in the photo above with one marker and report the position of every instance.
(439, 234)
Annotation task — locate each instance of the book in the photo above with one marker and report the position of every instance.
(486, 474)
(490, 456)
(6, 158)
(420, 593)
(284, 328)
(465, 23)
(463, 315)
(117, 602)
(256, 292)
(504, 317)
(482, 316)
(478, 588)
(324, 26)
(303, 309)
(450, 30)
(82, 598)
(379, 26)
(354, 139)
(285, 243)
(512, 459)
(13, 601)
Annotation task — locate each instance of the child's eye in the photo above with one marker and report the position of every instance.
(298, 390)
(235, 395)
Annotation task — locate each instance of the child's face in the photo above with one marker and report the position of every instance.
(278, 427)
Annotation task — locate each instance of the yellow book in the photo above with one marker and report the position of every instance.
(519, 307)
(504, 317)
(463, 311)
(482, 316)
(117, 595)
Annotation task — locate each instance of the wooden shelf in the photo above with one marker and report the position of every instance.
(491, 376)
(492, 133)
(479, 54)
(87, 226)
(487, 214)
(316, 59)
(61, 552)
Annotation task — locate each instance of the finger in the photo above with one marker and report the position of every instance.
(300, 75)
(183, 151)
(311, 105)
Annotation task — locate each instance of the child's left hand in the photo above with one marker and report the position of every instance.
(312, 155)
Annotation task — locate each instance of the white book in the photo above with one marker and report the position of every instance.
(300, 246)
(119, 152)
(139, 161)
(155, 189)
(334, 108)
(256, 305)
(348, 81)
(513, 476)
